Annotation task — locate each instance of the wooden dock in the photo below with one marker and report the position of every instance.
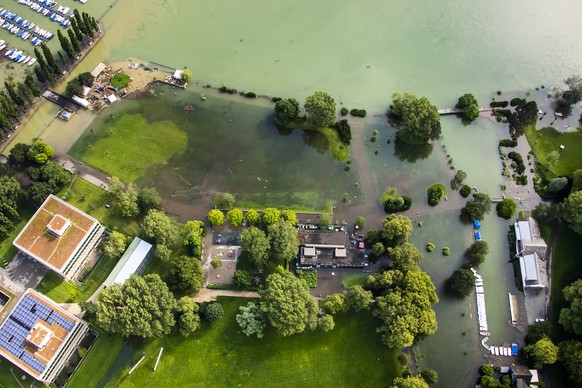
(456, 111)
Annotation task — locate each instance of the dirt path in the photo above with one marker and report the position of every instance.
(206, 295)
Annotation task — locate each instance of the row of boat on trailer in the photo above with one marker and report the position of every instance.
(23, 28)
(46, 7)
(16, 55)
(504, 351)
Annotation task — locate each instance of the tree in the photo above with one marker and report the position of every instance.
(573, 211)
(358, 299)
(360, 221)
(556, 185)
(321, 110)
(50, 60)
(571, 317)
(213, 312)
(430, 376)
(577, 180)
(14, 96)
(324, 220)
(116, 186)
(404, 257)
(77, 30)
(216, 263)
(435, 193)
(235, 217)
(286, 111)
(287, 304)
(23, 91)
(40, 152)
(284, 241)
(32, 86)
(405, 308)
(334, 303)
(570, 354)
(147, 199)
(19, 153)
(462, 282)
(40, 74)
(396, 229)
(290, 216)
(115, 244)
(486, 370)
(420, 120)
(73, 40)
(256, 244)
(216, 217)
(393, 201)
(189, 320)
(468, 102)
(161, 228)
(65, 44)
(543, 352)
(241, 279)
(546, 213)
(186, 76)
(409, 382)
(224, 201)
(325, 322)
(477, 207)
(74, 88)
(142, 307)
(252, 217)
(477, 252)
(251, 320)
(193, 237)
(270, 216)
(186, 274)
(506, 208)
(126, 203)
(86, 79)
(378, 249)
(38, 191)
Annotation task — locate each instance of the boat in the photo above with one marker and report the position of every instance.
(32, 61)
(492, 350)
(496, 350)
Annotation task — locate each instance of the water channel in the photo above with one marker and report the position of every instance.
(360, 52)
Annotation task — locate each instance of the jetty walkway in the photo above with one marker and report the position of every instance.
(456, 111)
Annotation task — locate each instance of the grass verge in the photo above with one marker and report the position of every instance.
(7, 250)
(218, 355)
(130, 145)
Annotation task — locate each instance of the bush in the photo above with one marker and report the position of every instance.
(358, 112)
(430, 247)
(465, 191)
(517, 101)
(250, 95)
(462, 282)
(344, 132)
(506, 208)
(241, 279)
(435, 193)
(446, 251)
(309, 275)
(499, 104)
(394, 202)
(519, 165)
(486, 370)
(344, 111)
(213, 312)
(216, 263)
(276, 99)
(120, 80)
(508, 142)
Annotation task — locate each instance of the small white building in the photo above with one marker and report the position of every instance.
(134, 261)
(178, 74)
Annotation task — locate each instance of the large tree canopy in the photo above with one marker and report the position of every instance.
(396, 229)
(286, 110)
(420, 119)
(142, 306)
(284, 241)
(186, 274)
(256, 244)
(543, 352)
(573, 211)
(286, 302)
(478, 206)
(570, 354)
(571, 317)
(321, 110)
(405, 308)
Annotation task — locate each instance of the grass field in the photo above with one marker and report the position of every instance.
(219, 355)
(547, 140)
(7, 250)
(130, 146)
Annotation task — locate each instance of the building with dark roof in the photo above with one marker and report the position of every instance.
(40, 337)
(327, 249)
(60, 236)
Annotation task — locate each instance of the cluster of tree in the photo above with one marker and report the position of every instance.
(194, 231)
(13, 102)
(130, 200)
(394, 202)
(435, 193)
(477, 253)
(163, 231)
(487, 378)
(75, 86)
(478, 206)
(570, 97)
(144, 307)
(420, 120)
(10, 194)
(468, 103)
(356, 299)
(115, 244)
(344, 131)
(458, 179)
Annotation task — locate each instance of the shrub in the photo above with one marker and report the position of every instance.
(506, 208)
(344, 132)
(394, 202)
(519, 165)
(508, 142)
(435, 193)
(465, 191)
(499, 104)
(430, 247)
(216, 263)
(241, 279)
(213, 312)
(250, 95)
(486, 370)
(276, 99)
(517, 101)
(344, 111)
(358, 112)
(120, 80)
(446, 251)
(309, 275)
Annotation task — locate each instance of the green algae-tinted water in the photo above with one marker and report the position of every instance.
(232, 147)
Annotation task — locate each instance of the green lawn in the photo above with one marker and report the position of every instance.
(219, 355)
(7, 250)
(547, 140)
(130, 145)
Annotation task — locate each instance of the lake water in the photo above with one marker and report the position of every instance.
(360, 52)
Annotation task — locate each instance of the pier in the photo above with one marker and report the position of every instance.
(456, 111)
(61, 100)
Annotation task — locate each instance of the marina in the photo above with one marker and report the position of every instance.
(23, 28)
(46, 7)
